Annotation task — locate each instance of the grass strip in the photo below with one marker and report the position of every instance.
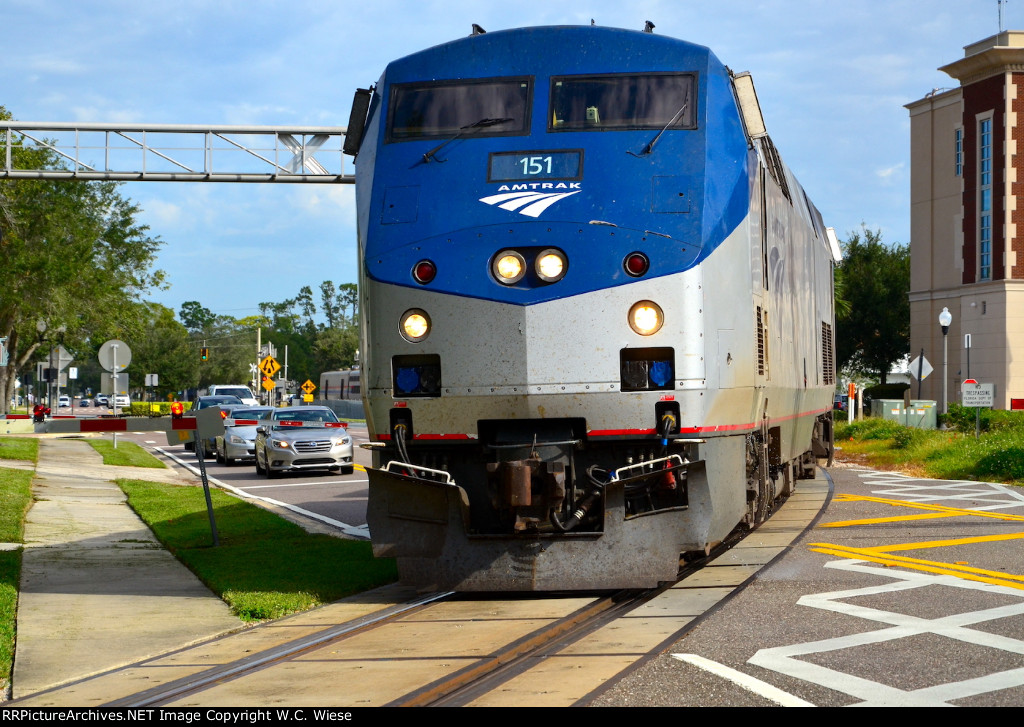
(997, 456)
(19, 448)
(15, 500)
(265, 566)
(10, 575)
(125, 454)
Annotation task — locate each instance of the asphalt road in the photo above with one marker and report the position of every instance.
(337, 500)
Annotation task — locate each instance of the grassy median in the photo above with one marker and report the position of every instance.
(127, 454)
(997, 455)
(265, 567)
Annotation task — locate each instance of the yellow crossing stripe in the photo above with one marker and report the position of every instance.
(937, 511)
(878, 555)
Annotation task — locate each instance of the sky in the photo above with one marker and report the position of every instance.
(832, 79)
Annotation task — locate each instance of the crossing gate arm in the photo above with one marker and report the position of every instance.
(179, 152)
(115, 424)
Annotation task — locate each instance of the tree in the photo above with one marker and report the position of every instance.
(163, 348)
(194, 316)
(873, 331)
(74, 259)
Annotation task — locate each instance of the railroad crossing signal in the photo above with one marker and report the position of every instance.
(308, 387)
(204, 354)
(269, 366)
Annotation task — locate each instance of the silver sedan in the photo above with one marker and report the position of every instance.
(302, 438)
(239, 440)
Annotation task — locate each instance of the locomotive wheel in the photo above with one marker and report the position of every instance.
(760, 486)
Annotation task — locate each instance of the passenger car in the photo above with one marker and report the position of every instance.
(204, 402)
(122, 400)
(239, 441)
(300, 438)
(64, 400)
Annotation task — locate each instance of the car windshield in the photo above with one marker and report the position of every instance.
(216, 401)
(244, 413)
(304, 415)
(241, 393)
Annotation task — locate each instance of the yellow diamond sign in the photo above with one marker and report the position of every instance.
(268, 384)
(269, 366)
(308, 387)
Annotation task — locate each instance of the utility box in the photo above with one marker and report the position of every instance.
(921, 413)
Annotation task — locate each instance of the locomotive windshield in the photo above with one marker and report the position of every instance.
(446, 108)
(622, 101)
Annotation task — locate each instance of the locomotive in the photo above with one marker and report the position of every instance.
(597, 310)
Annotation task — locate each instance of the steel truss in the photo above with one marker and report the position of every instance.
(178, 152)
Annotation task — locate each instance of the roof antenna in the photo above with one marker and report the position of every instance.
(648, 26)
(477, 30)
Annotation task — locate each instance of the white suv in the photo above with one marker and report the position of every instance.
(122, 400)
(242, 392)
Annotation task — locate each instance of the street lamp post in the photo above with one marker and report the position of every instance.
(945, 319)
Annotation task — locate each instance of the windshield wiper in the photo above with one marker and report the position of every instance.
(482, 123)
(675, 117)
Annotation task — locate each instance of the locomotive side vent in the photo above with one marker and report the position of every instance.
(827, 357)
(761, 357)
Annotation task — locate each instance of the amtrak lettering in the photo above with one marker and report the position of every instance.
(518, 197)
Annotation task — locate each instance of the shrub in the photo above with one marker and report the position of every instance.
(154, 408)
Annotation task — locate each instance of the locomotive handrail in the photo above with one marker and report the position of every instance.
(574, 442)
(447, 478)
(617, 474)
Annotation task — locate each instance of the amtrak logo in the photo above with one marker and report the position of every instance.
(525, 198)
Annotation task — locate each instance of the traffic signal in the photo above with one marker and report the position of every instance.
(204, 354)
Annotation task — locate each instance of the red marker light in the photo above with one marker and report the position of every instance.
(424, 271)
(636, 264)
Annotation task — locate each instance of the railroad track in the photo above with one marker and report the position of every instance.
(384, 648)
(557, 623)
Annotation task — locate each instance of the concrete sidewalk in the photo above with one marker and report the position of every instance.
(97, 590)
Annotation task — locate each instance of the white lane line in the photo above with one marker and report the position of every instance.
(302, 484)
(356, 531)
(745, 681)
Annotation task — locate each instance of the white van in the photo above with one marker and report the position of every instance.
(242, 392)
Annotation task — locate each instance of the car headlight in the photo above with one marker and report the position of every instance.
(415, 325)
(646, 317)
(508, 267)
(235, 439)
(279, 444)
(339, 442)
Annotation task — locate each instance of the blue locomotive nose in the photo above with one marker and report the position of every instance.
(580, 359)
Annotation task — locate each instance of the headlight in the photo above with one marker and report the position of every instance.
(339, 442)
(551, 266)
(508, 267)
(235, 439)
(646, 317)
(415, 325)
(279, 444)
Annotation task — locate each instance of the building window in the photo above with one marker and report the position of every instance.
(958, 151)
(985, 199)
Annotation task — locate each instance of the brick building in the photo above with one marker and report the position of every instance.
(967, 221)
